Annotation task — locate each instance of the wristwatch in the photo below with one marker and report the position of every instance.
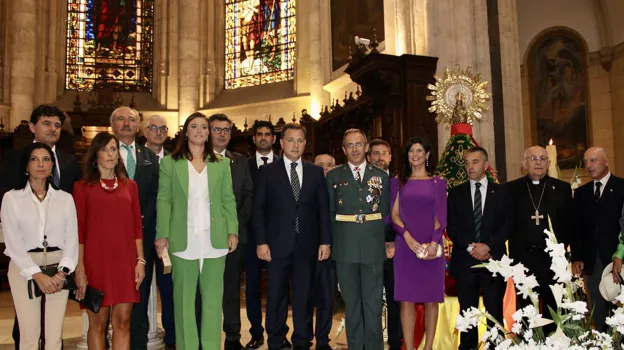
(64, 269)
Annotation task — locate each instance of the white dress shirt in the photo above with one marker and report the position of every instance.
(56, 160)
(603, 181)
(124, 152)
(483, 189)
(160, 155)
(260, 162)
(361, 169)
(298, 169)
(199, 244)
(25, 222)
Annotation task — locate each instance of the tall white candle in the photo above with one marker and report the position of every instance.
(551, 149)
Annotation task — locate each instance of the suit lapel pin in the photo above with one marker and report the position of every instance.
(610, 190)
(553, 187)
(340, 202)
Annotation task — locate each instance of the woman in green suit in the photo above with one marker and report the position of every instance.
(198, 225)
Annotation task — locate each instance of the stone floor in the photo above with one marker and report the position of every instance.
(72, 329)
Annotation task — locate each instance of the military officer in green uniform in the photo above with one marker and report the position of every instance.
(359, 196)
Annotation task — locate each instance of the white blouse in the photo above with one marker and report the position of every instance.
(25, 222)
(199, 245)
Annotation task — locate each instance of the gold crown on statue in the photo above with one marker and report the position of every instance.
(459, 97)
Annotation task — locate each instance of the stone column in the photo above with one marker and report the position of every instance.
(153, 341)
(317, 94)
(51, 72)
(512, 86)
(23, 20)
(189, 58)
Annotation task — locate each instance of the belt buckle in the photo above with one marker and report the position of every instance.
(360, 218)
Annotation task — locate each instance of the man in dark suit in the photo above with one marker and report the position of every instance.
(155, 132)
(379, 155)
(599, 207)
(478, 225)
(45, 123)
(221, 130)
(292, 227)
(263, 138)
(533, 199)
(142, 167)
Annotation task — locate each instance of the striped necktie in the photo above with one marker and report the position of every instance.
(477, 211)
(296, 188)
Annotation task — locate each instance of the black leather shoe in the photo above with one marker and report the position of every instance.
(233, 345)
(323, 347)
(286, 344)
(255, 343)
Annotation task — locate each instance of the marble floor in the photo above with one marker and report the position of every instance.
(72, 330)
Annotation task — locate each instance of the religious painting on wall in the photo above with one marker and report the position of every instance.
(350, 18)
(109, 45)
(260, 38)
(558, 90)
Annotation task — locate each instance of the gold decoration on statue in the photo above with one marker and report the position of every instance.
(458, 97)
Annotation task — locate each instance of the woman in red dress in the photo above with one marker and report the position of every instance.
(110, 235)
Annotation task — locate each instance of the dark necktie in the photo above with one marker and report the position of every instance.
(265, 160)
(477, 213)
(296, 188)
(358, 178)
(56, 179)
(597, 193)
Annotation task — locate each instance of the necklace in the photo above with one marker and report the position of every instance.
(537, 215)
(40, 195)
(109, 189)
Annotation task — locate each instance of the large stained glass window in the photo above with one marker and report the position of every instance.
(109, 44)
(259, 42)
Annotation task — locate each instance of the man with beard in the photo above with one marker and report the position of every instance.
(599, 207)
(45, 124)
(263, 138)
(379, 155)
(533, 200)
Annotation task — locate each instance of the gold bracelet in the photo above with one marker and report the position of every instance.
(142, 261)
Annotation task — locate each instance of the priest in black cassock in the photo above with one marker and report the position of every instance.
(534, 198)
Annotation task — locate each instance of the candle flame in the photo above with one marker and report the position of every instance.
(550, 142)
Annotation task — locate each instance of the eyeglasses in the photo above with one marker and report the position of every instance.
(219, 130)
(536, 158)
(155, 128)
(353, 145)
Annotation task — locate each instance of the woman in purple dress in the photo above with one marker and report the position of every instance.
(419, 218)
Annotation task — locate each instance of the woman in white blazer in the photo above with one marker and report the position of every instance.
(40, 233)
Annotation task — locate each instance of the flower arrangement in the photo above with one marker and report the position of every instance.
(572, 318)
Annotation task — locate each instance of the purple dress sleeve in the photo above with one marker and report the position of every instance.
(395, 185)
(440, 208)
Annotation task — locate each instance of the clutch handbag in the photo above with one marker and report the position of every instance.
(92, 299)
(50, 271)
(423, 252)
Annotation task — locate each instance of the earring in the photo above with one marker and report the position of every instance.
(95, 164)
(427, 163)
(50, 177)
(27, 173)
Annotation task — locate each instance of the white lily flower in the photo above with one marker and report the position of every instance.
(557, 291)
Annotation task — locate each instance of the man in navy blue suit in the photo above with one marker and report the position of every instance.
(292, 227)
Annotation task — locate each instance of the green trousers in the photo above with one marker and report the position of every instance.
(186, 277)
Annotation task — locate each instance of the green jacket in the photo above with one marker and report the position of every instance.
(358, 242)
(619, 253)
(172, 203)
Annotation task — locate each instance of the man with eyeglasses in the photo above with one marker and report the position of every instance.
(533, 200)
(379, 155)
(220, 135)
(156, 132)
(359, 201)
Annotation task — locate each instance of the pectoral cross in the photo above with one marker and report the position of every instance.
(537, 217)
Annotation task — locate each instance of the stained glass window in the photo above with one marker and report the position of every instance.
(259, 42)
(109, 44)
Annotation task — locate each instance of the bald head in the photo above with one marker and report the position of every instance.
(596, 162)
(536, 162)
(325, 161)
